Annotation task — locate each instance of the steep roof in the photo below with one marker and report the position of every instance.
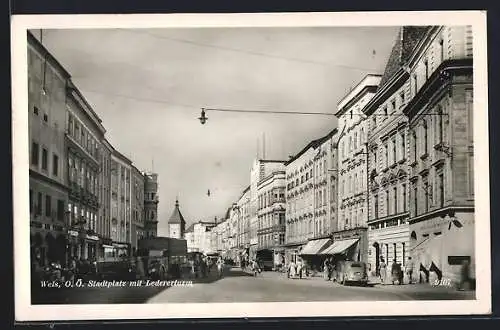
(176, 216)
(313, 144)
(407, 39)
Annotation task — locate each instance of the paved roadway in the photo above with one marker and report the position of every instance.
(240, 286)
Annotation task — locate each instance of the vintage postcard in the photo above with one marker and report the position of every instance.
(250, 165)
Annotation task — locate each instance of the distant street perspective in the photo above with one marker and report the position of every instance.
(251, 165)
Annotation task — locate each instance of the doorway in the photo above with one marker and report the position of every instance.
(377, 258)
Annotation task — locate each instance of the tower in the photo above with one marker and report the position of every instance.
(151, 205)
(176, 223)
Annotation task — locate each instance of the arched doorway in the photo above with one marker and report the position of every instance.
(377, 258)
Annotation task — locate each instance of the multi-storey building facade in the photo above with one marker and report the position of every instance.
(243, 203)
(441, 152)
(189, 237)
(84, 132)
(271, 212)
(352, 169)
(388, 235)
(104, 221)
(260, 169)
(121, 168)
(48, 193)
(151, 201)
(137, 204)
(300, 200)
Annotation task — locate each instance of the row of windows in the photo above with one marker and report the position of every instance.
(321, 169)
(354, 142)
(84, 175)
(271, 239)
(423, 194)
(35, 159)
(351, 217)
(48, 206)
(388, 109)
(303, 229)
(82, 216)
(355, 184)
(395, 201)
(271, 197)
(81, 135)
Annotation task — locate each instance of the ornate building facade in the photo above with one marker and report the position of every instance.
(48, 193)
(441, 153)
(352, 169)
(388, 235)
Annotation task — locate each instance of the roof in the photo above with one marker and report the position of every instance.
(407, 39)
(313, 144)
(176, 216)
(190, 228)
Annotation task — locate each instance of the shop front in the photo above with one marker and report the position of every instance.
(292, 252)
(351, 244)
(311, 253)
(440, 246)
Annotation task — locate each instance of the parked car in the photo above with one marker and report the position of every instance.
(353, 272)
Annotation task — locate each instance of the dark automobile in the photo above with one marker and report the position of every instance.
(353, 272)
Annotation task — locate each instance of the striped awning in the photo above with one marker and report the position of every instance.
(314, 247)
(339, 247)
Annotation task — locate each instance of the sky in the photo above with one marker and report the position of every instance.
(148, 86)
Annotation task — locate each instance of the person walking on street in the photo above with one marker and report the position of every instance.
(383, 271)
(220, 267)
(409, 270)
(299, 268)
(326, 270)
(394, 271)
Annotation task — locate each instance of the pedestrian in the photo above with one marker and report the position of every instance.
(220, 267)
(291, 269)
(326, 269)
(383, 271)
(394, 271)
(299, 268)
(409, 270)
(140, 267)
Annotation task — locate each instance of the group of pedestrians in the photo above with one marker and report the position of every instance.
(295, 269)
(397, 272)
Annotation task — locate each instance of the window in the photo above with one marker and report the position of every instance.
(60, 210)
(393, 103)
(356, 182)
(355, 140)
(394, 150)
(395, 196)
(469, 106)
(38, 209)
(385, 113)
(426, 142)
(48, 206)
(426, 196)
(386, 150)
(414, 138)
(31, 201)
(402, 97)
(77, 131)
(415, 199)
(403, 194)
(375, 200)
(415, 84)
(374, 121)
(426, 64)
(350, 143)
(35, 110)
(441, 189)
(55, 165)
(35, 152)
(439, 119)
(403, 145)
(44, 159)
(362, 136)
(387, 207)
(45, 117)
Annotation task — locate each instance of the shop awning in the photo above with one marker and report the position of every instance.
(315, 246)
(340, 246)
